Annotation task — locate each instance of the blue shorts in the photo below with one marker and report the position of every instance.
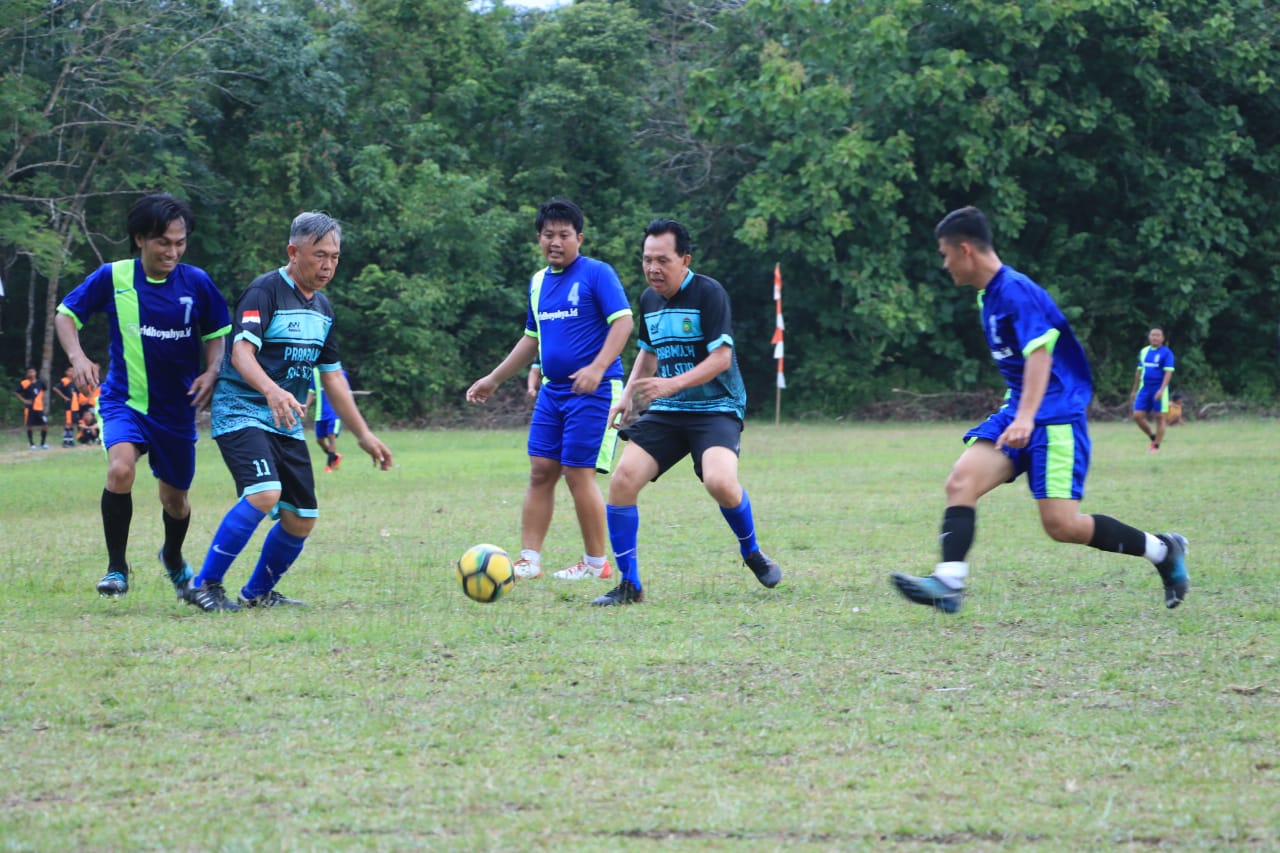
(329, 426)
(1055, 460)
(172, 453)
(1147, 400)
(670, 437)
(262, 461)
(574, 428)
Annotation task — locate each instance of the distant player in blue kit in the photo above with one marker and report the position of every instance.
(328, 425)
(687, 373)
(1150, 390)
(282, 332)
(1041, 430)
(162, 316)
(577, 321)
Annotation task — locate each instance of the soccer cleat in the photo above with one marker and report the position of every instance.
(1153, 448)
(180, 578)
(928, 590)
(270, 599)
(337, 460)
(210, 598)
(113, 584)
(1173, 569)
(583, 569)
(527, 570)
(623, 593)
(767, 571)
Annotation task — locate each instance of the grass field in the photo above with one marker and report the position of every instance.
(1063, 709)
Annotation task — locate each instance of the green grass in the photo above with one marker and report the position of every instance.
(1063, 709)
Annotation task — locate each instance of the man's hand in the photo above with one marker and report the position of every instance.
(201, 391)
(481, 390)
(286, 411)
(377, 451)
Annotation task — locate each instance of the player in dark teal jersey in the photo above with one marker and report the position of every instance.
(1150, 392)
(283, 331)
(577, 321)
(1041, 430)
(163, 316)
(687, 373)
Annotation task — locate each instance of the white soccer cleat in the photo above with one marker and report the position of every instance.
(527, 569)
(583, 569)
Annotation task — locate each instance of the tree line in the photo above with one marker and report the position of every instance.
(1127, 152)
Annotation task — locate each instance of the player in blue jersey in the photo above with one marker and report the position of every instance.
(328, 426)
(687, 373)
(577, 321)
(1150, 392)
(163, 317)
(1041, 430)
(282, 331)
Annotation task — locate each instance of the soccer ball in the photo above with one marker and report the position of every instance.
(485, 572)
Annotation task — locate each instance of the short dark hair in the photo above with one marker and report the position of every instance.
(150, 216)
(966, 223)
(559, 210)
(684, 245)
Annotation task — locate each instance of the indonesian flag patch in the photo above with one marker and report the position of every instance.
(250, 317)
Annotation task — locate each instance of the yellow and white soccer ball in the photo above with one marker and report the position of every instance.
(486, 573)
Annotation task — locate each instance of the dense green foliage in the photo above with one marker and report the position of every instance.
(1127, 153)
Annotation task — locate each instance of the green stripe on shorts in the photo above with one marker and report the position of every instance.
(1060, 462)
(609, 445)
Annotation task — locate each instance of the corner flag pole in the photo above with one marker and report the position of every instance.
(777, 343)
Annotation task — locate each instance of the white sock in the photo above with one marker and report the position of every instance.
(952, 574)
(594, 562)
(1157, 550)
(534, 557)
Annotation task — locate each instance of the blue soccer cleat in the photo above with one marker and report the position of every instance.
(1173, 569)
(113, 584)
(929, 591)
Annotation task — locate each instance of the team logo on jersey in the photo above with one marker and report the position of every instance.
(686, 326)
(295, 326)
(250, 317)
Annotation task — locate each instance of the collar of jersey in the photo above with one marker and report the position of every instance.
(688, 277)
(284, 275)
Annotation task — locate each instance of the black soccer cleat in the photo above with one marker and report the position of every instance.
(210, 598)
(766, 571)
(1173, 569)
(623, 593)
(270, 599)
(113, 584)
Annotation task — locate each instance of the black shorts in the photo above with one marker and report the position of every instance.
(669, 437)
(262, 461)
(34, 418)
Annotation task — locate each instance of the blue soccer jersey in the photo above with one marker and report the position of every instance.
(569, 312)
(158, 330)
(1018, 317)
(1154, 362)
(293, 336)
(681, 332)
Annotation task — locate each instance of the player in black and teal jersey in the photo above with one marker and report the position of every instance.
(577, 322)
(1150, 391)
(282, 331)
(1041, 430)
(163, 318)
(687, 373)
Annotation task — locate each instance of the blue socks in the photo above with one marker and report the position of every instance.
(743, 524)
(233, 534)
(624, 529)
(279, 550)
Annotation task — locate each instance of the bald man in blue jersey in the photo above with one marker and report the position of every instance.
(1041, 430)
(163, 316)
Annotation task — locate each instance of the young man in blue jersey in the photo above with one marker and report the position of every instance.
(163, 316)
(1041, 430)
(282, 331)
(687, 374)
(1150, 392)
(328, 426)
(577, 321)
